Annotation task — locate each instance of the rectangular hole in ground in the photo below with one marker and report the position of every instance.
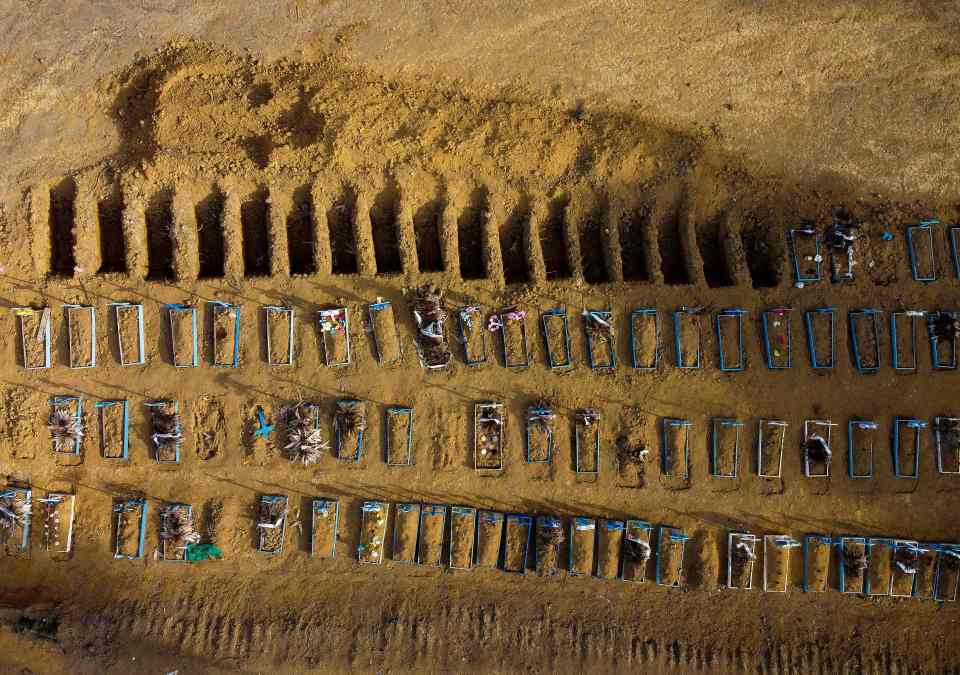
(762, 251)
(159, 217)
(470, 235)
(593, 243)
(670, 244)
(710, 242)
(113, 250)
(255, 222)
(63, 198)
(633, 254)
(553, 240)
(343, 245)
(209, 213)
(300, 243)
(511, 243)
(383, 220)
(426, 231)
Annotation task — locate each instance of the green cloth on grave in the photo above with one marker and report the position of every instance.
(198, 552)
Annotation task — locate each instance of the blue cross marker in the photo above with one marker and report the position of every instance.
(263, 429)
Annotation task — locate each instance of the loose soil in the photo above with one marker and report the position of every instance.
(731, 340)
(225, 335)
(588, 441)
(336, 348)
(549, 539)
(183, 337)
(690, 339)
(323, 539)
(557, 340)
(373, 532)
(670, 557)
(867, 341)
(780, 338)
(823, 327)
(638, 560)
(384, 326)
(128, 531)
(405, 527)
(280, 329)
(271, 538)
(350, 436)
(111, 431)
(128, 334)
(583, 548)
(774, 440)
(82, 337)
(517, 535)
(862, 451)
(818, 565)
(880, 570)
(473, 334)
(33, 339)
(644, 342)
(463, 527)
(490, 527)
(399, 451)
(727, 458)
(430, 547)
(514, 336)
(57, 519)
(741, 566)
(490, 110)
(209, 426)
(855, 577)
(540, 435)
(777, 564)
(609, 542)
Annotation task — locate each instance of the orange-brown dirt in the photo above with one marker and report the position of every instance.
(599, 156)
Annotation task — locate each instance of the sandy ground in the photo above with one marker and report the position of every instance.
(587, 155)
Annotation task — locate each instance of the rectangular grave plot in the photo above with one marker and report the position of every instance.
(82, 335)
(349, 428)
(386, 335)
(601, 339)
(433, 521)
(373, 532)
(130, 518)
(226, 334)
(114, 424)
(184, 345)
(513, 333)
(947, 438)
(130, 339)
(853, 564)
(687, 338)
(541, 428)
(549, 539)
(862, 436)
(34, 327)
(865, 339)
(58, 515)
(726, 448)
(771, 436)
(166, 430)
(280, 332)
(730, 345)
(906, 563)
(671, 545)
(777, 555)
(473, 335)
(463, 536)
(586, 433)
(675, 453)
(645, 339)
(399, 436)
(926, 577)
(609, 545)
(66, 425)
(556, 337)
(741, 560)
(923, 260)
(817, 448)
(334, 326)
(271, 523)
(488, 431)
(406, 530)
(821, 337)
(490, 527)
(948, 573)
(904, 326)
(324, 528)
(638, 555)
(806, 254)
(777, 329)
(18, 502)
(880, 566)
(176, 523)
(518, 532)
(907, 443)
(816, 562)
(583, 546)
